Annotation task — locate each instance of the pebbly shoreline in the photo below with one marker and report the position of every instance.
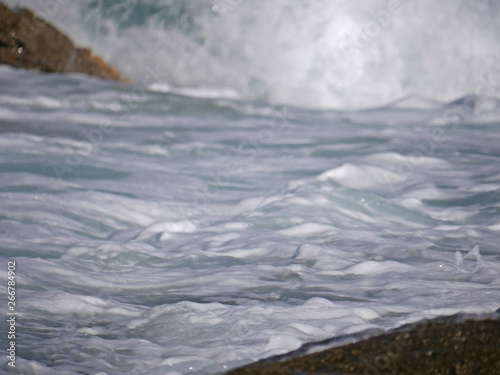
(447, 346)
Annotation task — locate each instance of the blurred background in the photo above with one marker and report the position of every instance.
(311, 53)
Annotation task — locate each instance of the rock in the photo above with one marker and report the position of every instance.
(446, 346)
(28, 42)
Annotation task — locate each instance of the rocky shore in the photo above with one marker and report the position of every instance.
(28, 42)
(446, 346)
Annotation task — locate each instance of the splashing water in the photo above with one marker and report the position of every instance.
(320, 54)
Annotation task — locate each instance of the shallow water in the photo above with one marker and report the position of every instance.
(168, 234)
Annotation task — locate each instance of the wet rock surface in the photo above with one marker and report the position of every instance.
(28, 42)
(446, 346)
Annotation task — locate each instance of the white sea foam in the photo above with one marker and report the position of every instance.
(197, 92)
(361, 177)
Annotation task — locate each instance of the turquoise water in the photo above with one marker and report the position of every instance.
(191, 227)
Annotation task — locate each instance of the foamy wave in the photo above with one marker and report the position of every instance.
(316, 54)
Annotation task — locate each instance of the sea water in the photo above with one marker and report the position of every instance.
(176, 226)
